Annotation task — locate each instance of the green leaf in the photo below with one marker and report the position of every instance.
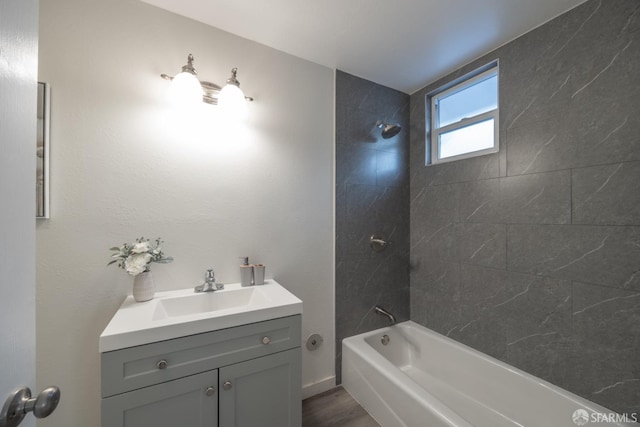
(114, 261)
(115, 248)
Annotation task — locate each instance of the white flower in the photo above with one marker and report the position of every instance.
(140, 248)
(136, 257)
(136, 263)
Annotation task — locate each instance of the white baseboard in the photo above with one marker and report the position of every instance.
(318, 387)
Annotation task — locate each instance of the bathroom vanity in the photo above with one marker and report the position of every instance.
(228, 358)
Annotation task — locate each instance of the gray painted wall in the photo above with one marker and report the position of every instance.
(532, 255)
(372, 196)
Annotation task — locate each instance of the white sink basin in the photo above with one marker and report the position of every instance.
(228, 299)
(183, 312)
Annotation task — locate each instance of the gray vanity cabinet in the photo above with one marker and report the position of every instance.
(190, 401)
(245, 376)
(263, 392)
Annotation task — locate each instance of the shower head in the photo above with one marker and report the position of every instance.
(388, 130)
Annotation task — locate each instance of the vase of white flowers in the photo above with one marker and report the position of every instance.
(136, 258)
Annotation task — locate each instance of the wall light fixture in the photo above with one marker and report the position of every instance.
(187, 88)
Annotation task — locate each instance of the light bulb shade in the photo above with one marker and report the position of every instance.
(232, 102)
(186, 90)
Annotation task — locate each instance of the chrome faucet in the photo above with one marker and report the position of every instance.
(209, 284)
(381, 311)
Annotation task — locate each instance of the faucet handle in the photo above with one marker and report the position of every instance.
(210, 276)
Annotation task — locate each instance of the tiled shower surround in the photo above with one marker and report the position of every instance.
(532, 254)
(372, 196)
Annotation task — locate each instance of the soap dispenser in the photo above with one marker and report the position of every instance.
(246, 272)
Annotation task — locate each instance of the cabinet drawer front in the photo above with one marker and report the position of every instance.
(136, 367)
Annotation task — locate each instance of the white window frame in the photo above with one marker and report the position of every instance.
(482, 73)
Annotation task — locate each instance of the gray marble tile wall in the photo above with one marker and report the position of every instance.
(532, 254)
(372, 196)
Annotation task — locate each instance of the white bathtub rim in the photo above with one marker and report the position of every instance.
(436, 407)
(358, 342)
(574, 398)
(414, 390)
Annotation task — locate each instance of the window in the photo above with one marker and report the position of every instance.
(464, 117)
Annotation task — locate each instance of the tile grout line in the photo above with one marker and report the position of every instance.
(550, 171)
(571, 196)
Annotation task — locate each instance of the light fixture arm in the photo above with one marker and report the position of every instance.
(233, 79)
(211, 90)
(189, 67)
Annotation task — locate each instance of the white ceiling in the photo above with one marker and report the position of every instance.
(403, 44)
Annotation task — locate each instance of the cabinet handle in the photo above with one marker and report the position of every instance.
(266, 340)
(227, 385)
(162, 364)
(210, 391)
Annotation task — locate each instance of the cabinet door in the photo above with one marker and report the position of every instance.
(263, 392)
(190, 401)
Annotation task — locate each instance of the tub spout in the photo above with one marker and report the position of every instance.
(381, 311)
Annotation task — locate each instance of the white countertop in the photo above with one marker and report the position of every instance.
(137, 323)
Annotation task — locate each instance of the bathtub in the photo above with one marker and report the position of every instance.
(421, 378)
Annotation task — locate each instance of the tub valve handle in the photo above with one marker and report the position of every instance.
(378, 242)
